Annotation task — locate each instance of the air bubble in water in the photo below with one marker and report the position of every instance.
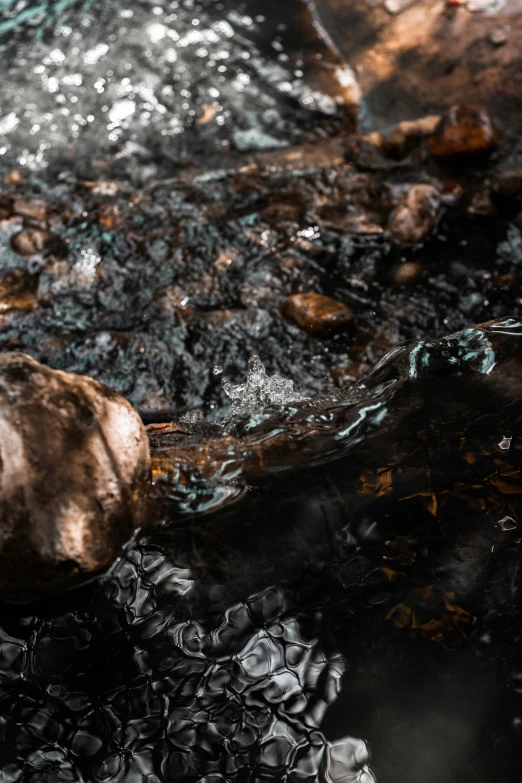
(507, 523)
(505, 443)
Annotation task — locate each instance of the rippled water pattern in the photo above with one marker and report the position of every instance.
(365, 604)
(375, 596)
(145, 685)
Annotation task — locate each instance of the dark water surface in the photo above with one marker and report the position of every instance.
(364, 587)
(383, 582)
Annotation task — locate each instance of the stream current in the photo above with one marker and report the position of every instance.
(343, 576)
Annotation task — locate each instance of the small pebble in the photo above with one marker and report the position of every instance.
(14, 177)
(317, 315)
(408, 273)
(415, 214)
(498, 37)
(465, 132)
(36, 210)
(30, 241)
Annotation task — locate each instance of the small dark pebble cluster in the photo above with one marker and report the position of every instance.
(148, 290)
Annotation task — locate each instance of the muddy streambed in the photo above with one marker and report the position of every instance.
(335, 569)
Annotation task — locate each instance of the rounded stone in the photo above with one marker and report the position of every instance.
(30, 241)
(74, 472)
(464, 132)
(408, 273)
(317, 315)
(415, 214)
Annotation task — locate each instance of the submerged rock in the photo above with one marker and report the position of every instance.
(415, 214)
(317, 315)
(74, 459)
(464, 132)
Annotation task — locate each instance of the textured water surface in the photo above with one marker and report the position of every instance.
(343, 576)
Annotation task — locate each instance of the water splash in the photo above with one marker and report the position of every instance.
(260, 390)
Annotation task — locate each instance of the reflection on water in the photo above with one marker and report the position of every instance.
(152, 682)
(372, 595)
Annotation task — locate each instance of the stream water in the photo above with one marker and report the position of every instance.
(336, 571)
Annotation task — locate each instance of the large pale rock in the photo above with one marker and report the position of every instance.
(73, 477)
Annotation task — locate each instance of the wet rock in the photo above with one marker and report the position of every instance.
(499, 36)
(75, 460)
(36, 210)
(15, 177)
(408, 273)
(317, 315)
(17, 292)
(506, 192)
(408, 134)
(30, 241)
(395, 7)
(464, 133)
(109, 217)
(415, 214)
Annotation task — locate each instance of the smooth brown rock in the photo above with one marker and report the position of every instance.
(464, 132)
(408, 273)
(415, 215)
(74, 469)
(30, 241)
(317, 315)
(36, 210)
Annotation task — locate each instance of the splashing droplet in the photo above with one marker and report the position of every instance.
(217, 370)
(260, 390)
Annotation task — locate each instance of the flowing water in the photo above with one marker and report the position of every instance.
(334, 570)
